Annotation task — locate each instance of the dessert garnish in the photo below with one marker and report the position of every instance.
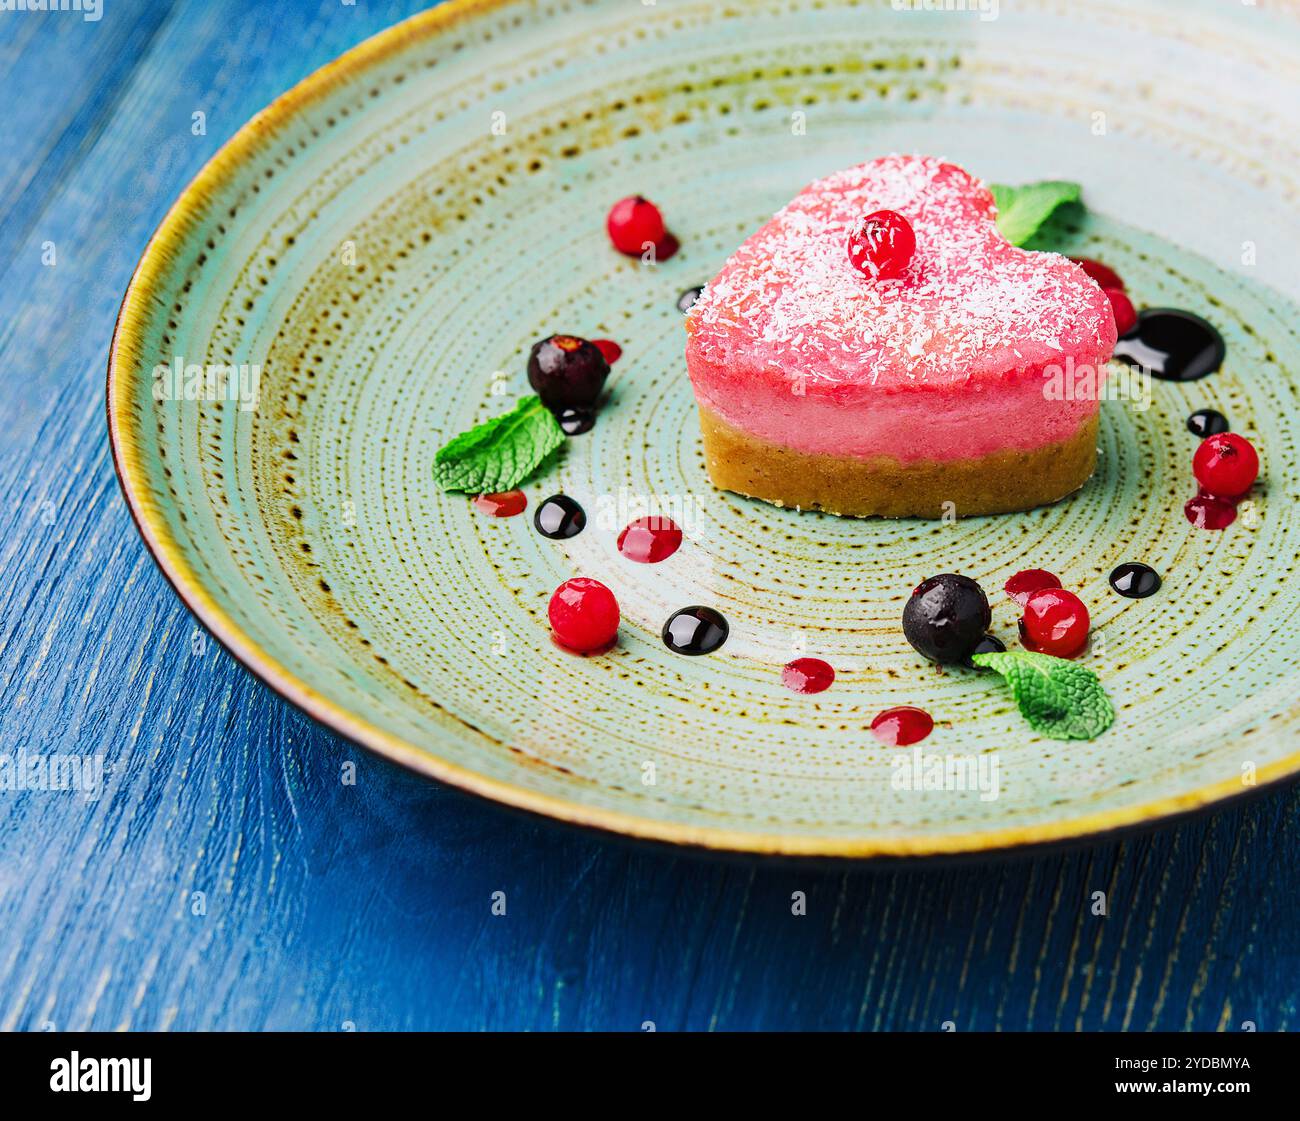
(1025, 583)
(505, 504)
(1055, 622)
(650, 540)
(1061, 700)
(568, 374)
(1135, 580)
(807, 675)
(1226, 466)
(946, 617)
(500, 453)
(898, 727)
(1207, 422)
(559, 517)
(1173, 345)
(881, 245)
(945, 620)
(584, 615)
(1021, 210)
(695, 630)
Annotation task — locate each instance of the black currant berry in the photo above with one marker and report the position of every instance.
(567, 372)
(946, 617)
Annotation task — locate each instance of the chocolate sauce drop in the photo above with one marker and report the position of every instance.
(1207, 422)
(687, 299)
(576, 421)
(559, 517)
(695, 630)
(1174, 345)
(989, 644)
(1135, 580)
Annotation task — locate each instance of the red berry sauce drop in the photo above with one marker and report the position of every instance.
(609, 348)
(666, 247)
(506, 504)
(1024, 584)
(650, 540)
(1207, 512)
(808, 675)
(898, 727)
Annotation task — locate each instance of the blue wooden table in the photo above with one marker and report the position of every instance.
(223, 878)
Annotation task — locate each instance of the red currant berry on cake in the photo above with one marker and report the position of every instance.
(632, 222)
(1125, 316)
(881, 245)
(1225, 465)
(584, 615)
(1056, 622)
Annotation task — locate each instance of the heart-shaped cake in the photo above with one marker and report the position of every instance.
(829, 379)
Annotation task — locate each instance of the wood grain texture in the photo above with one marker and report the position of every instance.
(328, 905)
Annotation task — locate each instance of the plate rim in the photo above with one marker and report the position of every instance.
(184, 581)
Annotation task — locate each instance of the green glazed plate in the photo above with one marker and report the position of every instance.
(385, 243)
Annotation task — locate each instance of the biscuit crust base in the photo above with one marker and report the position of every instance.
(993, 484)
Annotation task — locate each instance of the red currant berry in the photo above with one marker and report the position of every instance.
(610, 349)
(1056, 622)
(584, 615)
(1125, 317)
(1225, 465)
(1104, 275)
(632, 222)
(881, 245)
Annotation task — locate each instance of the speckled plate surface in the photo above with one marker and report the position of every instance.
(388, 240)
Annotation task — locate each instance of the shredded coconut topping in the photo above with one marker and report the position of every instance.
(789, 303)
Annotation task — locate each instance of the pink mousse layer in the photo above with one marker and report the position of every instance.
(791, 344)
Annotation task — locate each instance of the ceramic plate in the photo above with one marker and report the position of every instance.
(387, 241)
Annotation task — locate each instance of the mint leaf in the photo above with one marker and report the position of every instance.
(1021, 210)
(501, 453)
(1061, 700)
